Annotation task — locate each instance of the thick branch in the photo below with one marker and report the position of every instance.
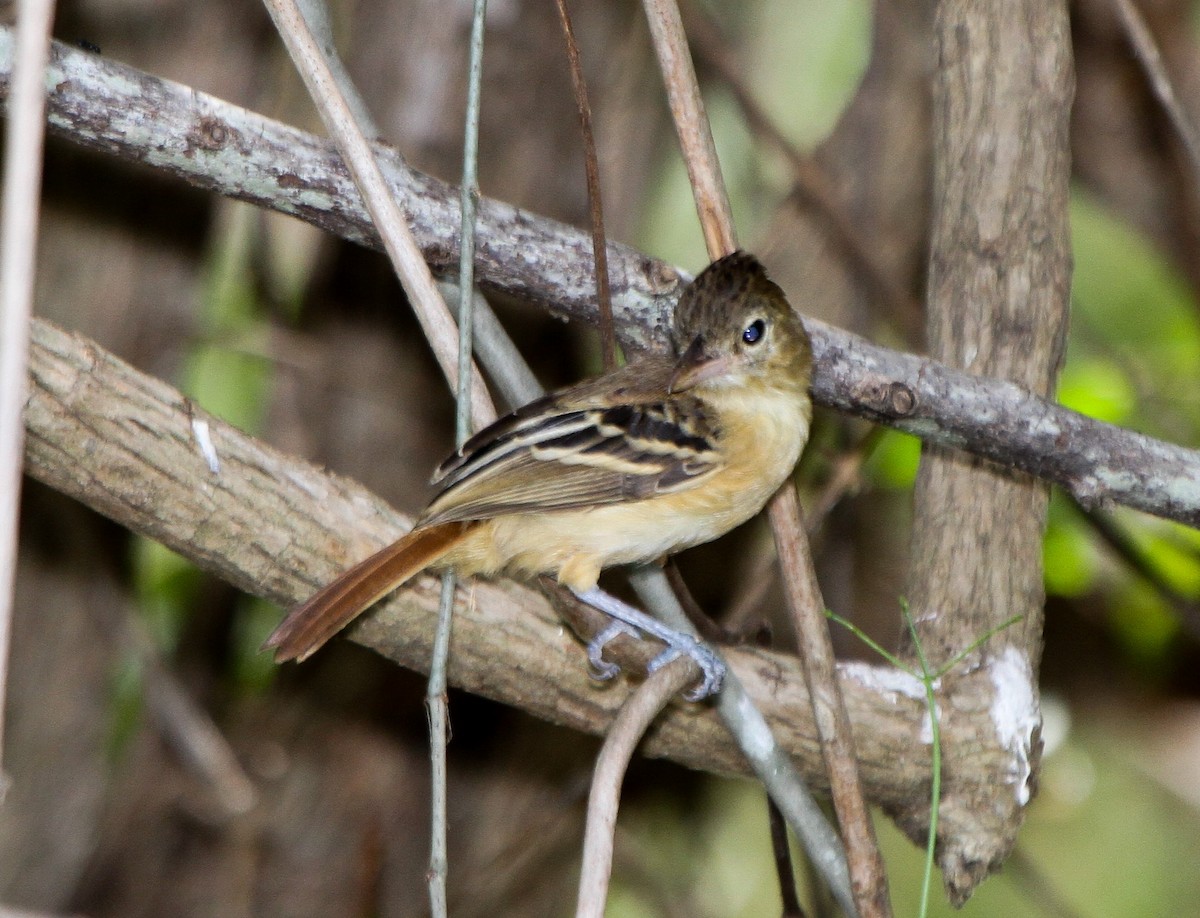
(126, 444)
(999, 282)
(107, 106)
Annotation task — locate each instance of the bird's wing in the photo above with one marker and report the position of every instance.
(577, 449)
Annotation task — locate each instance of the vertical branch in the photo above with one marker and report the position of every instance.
(18, 257)
(691, 124)
(435, 693)
(867, 876)
(999, 279)
(608, 339)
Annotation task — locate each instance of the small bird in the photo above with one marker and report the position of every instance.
(657, 456)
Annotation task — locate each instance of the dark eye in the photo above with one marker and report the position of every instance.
(752, 333)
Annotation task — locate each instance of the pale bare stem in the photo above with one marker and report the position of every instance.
(635, 716)
(18, 257)
(1146, 50)
(439, 715)
(768, 759)
(496, 351)
(868, 879)
(811, 184)
(316, 14)
(845, 477)
(435, 696)
(390, 221)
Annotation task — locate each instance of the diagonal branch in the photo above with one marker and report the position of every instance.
(107, 106)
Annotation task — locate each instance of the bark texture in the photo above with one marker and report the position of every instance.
(999, 286)
(126, 445)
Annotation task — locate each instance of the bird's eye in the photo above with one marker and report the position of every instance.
(753, 333)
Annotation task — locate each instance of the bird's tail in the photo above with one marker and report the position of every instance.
(312, 623)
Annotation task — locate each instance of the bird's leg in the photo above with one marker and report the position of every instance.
(636, 623)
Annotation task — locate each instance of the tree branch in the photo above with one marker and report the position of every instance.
(999, 286)
(124, 443)
(107, 106)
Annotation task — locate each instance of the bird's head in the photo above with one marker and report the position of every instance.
(734, 326)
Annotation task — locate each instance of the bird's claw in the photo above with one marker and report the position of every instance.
(710, 665)
(601, 668)
(642, 626)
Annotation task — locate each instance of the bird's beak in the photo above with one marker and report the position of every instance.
(695, 366)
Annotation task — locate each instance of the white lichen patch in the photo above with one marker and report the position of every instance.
(1015, 714)
(884, 679)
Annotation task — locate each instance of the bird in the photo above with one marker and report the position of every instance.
(662, 454)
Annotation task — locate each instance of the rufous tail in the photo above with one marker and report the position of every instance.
(310, 624)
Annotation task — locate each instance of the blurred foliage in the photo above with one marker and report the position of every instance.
(810, 58)
(224, 374)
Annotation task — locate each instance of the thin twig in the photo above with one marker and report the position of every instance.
(18, 258)
(846, 476)
(769, 761)
(807, 608)
(186, 727)
(437, 710)
(508, 370)
(868, 879)
(608, 337)
(435, 696)
(636, 715)
(1106, 526)
(1029, 876)
(784, 868)
(1146, 50)
(392, 225)
(316, 14)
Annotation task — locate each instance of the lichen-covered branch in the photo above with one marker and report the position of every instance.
(107, 106)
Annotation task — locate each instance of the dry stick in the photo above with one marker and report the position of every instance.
(845, 476)
(18, 258)
(389, 220)
(645, 704)
(784, 867)
(439, 328)
(1146, 51)
(186, 727)
(608, 337)
(829, 710)
(867, 876)
(638, 712)
(763, 752)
